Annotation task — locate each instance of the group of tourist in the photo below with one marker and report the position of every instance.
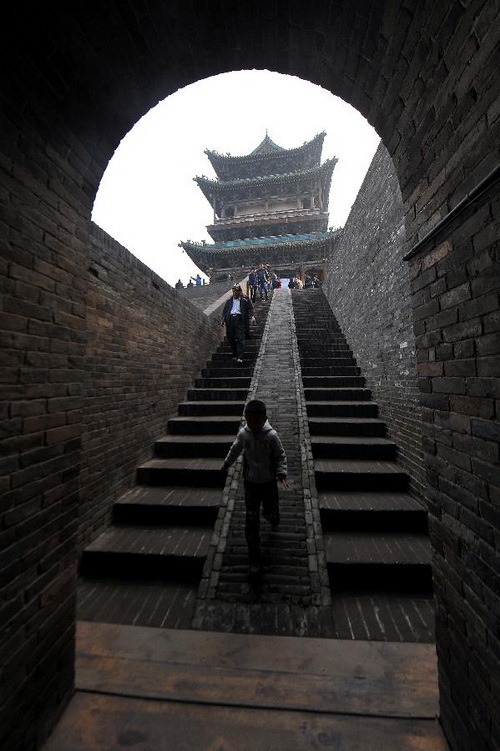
(194, 281)
(261, 280)
(309, 282)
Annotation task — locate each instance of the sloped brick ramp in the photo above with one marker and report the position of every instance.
(166, 690)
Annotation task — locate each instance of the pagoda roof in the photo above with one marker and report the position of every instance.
(264, 241)
(212, 187)
(267, 146)
(226, 165)
(212, 255)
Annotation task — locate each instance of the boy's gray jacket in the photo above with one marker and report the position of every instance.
(265, 457)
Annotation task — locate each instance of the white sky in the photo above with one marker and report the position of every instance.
(147, 199)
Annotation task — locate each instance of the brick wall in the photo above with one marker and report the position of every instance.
(145, 346)
(42, 337)
(455, 280)
(368, 287)
(203, 296)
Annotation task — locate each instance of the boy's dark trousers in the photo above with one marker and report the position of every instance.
(255, 494)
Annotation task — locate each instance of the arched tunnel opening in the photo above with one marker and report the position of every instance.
(75, 82)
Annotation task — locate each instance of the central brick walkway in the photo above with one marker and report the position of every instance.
(292, 597)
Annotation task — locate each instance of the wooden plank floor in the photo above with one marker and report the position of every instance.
(156, 690)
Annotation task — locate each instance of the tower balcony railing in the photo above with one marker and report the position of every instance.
(267, 216)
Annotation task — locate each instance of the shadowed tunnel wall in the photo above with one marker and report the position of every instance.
(75, 78)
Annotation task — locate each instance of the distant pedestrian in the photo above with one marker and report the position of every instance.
(263, 281)
(252, 284)
(236, 317)
(179, 284)
(264, 463)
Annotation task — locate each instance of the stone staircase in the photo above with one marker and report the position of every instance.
(146, 567)
(375, 534)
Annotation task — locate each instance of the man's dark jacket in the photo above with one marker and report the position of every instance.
(246, 309)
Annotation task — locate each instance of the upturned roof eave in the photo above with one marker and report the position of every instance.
(216, 158)
(207, 184)
(206, 249)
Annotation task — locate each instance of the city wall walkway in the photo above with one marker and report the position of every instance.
(255, 670)
(293, 597)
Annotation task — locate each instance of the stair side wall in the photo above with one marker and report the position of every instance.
(368, 287)
(145, 345)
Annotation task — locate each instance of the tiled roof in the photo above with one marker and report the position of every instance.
(207, 183)
(306, 238)
(267, 146)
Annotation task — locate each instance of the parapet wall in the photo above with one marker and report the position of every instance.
(145, 344)
(368, 287)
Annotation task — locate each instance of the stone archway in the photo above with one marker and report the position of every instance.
(75, 81)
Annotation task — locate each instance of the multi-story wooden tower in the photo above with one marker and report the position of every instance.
(270, 206)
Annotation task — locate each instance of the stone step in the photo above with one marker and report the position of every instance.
(228, 363)
(332, 370)
(226, 355)
(340, 408)
(319, 350)
(195, 472)
(304, 330)
(238, 382)
(327, 361)
(211, 407)
(204, 425)
(371, 511)
(170, 553)
(191, 446)
(154, 604)
(337, 394)
(379, 561)
(324, 319)
(384, 616)
(341, 474)
(332, 381)
(167, 505)
(349, 447)
(346, 426)
(218, 395)
(320, 337)
(252, 347)
(234, 371)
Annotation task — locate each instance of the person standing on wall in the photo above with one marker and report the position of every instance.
(262, 281)
(252, 284)
(236, 317)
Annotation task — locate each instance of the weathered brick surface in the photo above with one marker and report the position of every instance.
(145, 345)
(368, 287)
(458, 364)
(42, 335)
